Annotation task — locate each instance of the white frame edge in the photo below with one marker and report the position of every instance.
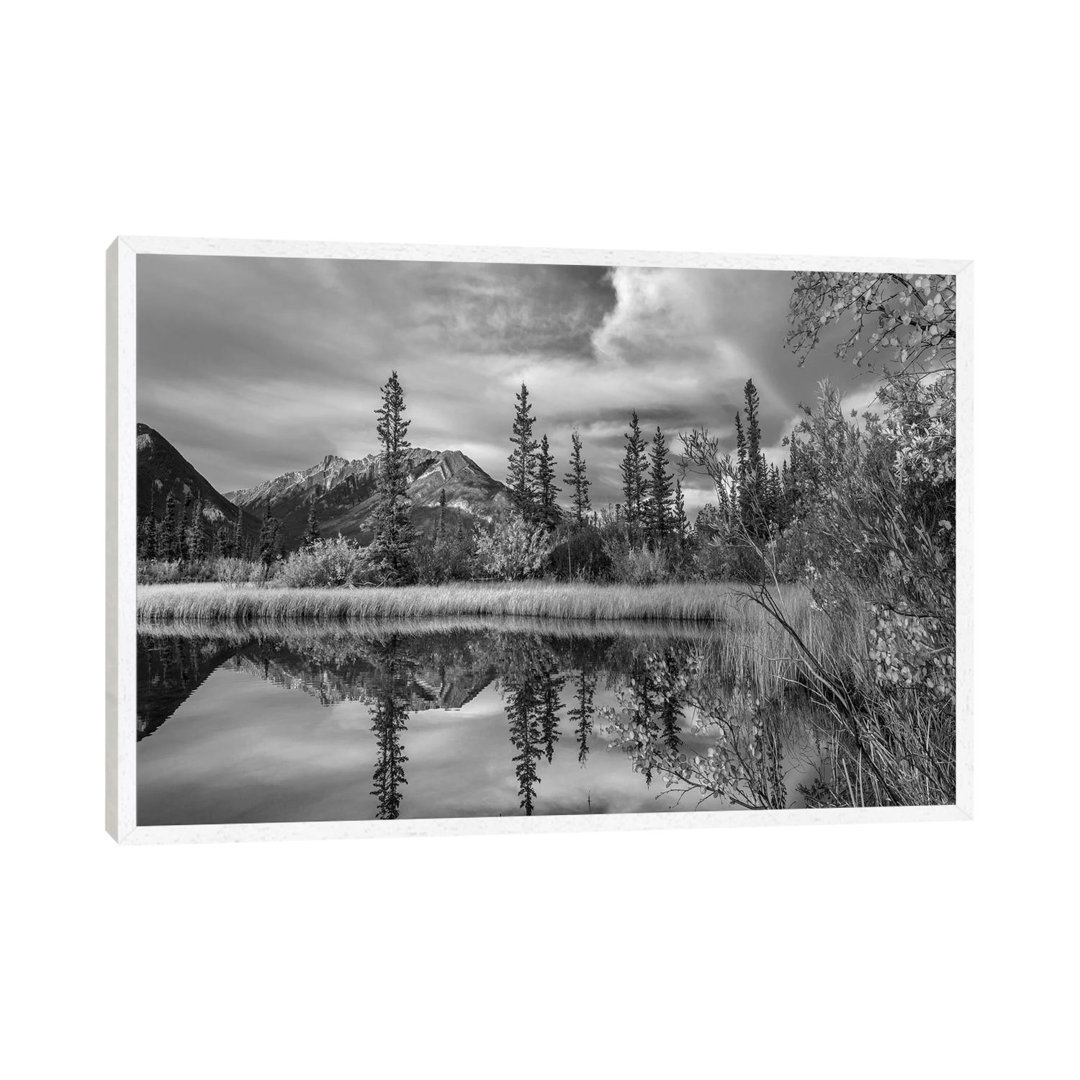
(120, 624)
(121, 360)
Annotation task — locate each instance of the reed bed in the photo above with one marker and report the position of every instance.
(314, 631)
(552, 600)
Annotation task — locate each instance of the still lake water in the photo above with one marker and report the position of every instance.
(309, 723)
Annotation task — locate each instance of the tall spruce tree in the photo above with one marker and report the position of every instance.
(578, 481)
(633, 474)
(547, 512)
(723, 506)
(680, 522)
(392, 552)
(755, 493)
(774, 493)
(521, 473)
(739, 488)
(659, 492)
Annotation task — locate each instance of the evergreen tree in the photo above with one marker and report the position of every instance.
(680, 522)
(311, 534)
(633, 474)
(195, 534)
(657, 508)
(392, 546)
(577, 480)
(269, 535)
(161, 540)
(754, 494)
(521, 474)
(547, 513)
(167, 541)
(753, 428)
(773, 495)
(723, 505)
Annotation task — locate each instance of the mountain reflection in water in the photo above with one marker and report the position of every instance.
(480, 719)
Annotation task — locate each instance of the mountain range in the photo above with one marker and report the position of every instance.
(161, 470)
(342, 491)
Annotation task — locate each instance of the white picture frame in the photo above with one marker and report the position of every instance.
(122, 362)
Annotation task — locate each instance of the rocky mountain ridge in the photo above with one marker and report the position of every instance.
(343, 493)
(161, 470)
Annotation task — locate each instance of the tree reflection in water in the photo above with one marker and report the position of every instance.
(582, 712)
(523, 712)
(389, 712)
(676, 718)
(743, 762)
(654, 700)
(532, 685)
(551, 685)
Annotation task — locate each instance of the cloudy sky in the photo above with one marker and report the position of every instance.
(253, 367)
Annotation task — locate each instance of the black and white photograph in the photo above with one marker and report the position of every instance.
(438, 539)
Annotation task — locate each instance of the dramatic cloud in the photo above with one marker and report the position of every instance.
(254, 367)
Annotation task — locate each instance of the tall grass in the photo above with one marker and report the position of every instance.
(669, 603)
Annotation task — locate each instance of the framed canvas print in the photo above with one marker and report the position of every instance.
(417, 540)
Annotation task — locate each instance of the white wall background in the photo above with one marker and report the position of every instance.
(844, 128)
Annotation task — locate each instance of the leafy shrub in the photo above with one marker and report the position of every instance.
(326, 564)
(514, 549)
(875, 532)
(234, 571)
(158, 572)
(637, 565)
